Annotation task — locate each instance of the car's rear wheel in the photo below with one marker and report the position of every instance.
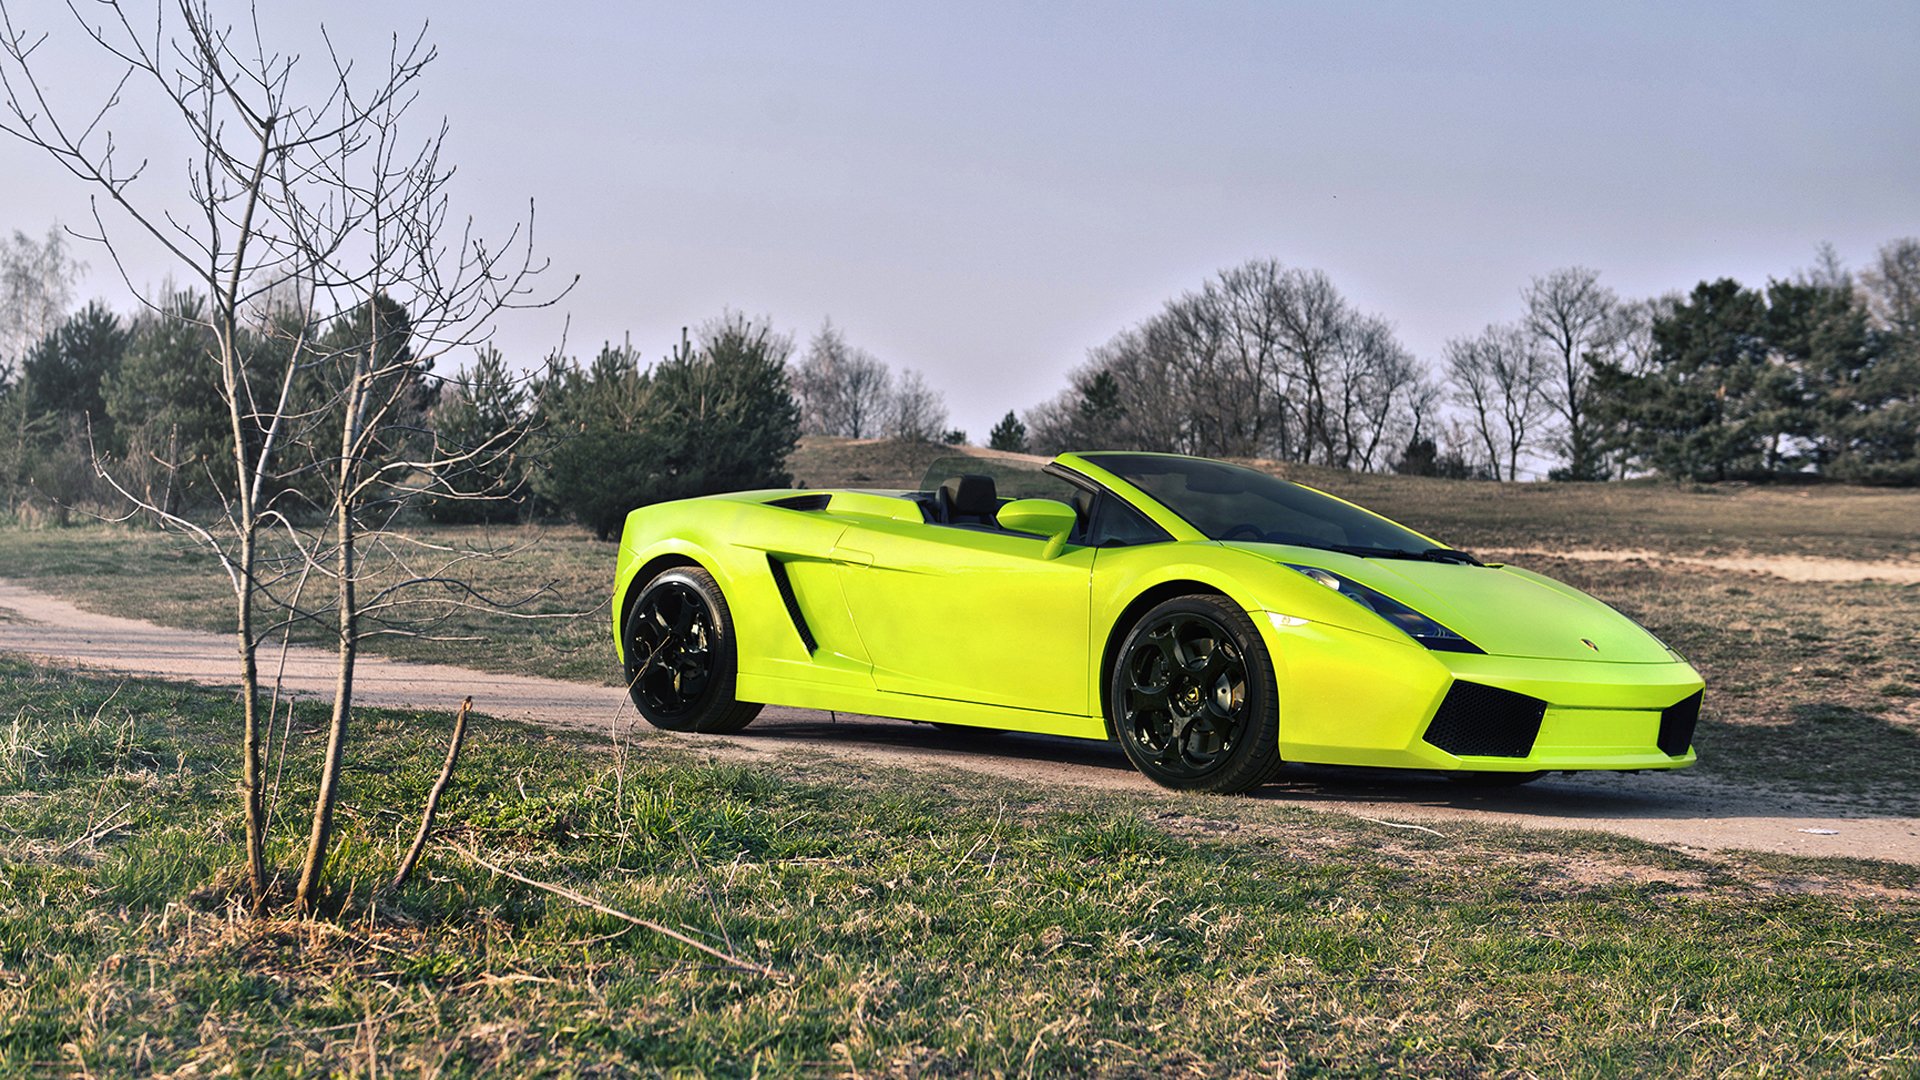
(1193, 700)
(681, 655)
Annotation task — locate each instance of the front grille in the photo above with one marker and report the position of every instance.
(1676, 725)
(1486, 721)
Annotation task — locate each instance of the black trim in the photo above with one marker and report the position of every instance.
(785, 585)
(814, 501)
(1452, 644)
(1485, 721)
(1677, 722)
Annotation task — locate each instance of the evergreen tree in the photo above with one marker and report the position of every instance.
(1707, 409)
(64, 375)
(170, 424)
(1009, 434)
(716, 417)
(1819, 332)
(482, 416)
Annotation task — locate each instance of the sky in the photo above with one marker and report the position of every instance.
(983, 192)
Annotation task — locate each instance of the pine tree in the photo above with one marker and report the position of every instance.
(1009, 434)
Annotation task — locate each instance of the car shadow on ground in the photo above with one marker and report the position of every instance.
(1651, 795)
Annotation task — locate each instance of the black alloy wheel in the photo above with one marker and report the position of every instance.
(681, 657)
(1192, 699)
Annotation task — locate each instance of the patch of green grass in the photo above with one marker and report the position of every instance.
(920, 925)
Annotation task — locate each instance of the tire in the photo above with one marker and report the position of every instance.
(682, 657)
(1192, 697)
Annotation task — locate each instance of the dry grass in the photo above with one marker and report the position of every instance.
(1829, 521)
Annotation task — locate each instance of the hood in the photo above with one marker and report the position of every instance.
(1504, 610)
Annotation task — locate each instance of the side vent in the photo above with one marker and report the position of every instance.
(1677, 723)
(1486, 721)
(817, 500)
(785, 585)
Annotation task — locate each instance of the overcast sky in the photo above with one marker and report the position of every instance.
(986, 191)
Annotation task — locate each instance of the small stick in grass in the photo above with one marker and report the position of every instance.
(433, 797)
(646, 924)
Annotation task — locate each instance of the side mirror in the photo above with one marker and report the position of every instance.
(1040, 517)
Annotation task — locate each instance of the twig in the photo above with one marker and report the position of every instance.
(433, 797)
(92, 834)
(645, 924)
(1398, 825)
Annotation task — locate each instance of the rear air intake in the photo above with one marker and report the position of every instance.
(1486, 721)
(815, 501)
(1676, 725)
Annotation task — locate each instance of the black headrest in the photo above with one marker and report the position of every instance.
(972, 495)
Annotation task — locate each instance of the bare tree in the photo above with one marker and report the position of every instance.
(1572, 317)
(916, 413)
(1496, 377)
(842, 389)
(1262, 360)
(1892, 285)
(36, 292)
(320, 231)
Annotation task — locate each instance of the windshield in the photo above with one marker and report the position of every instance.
(1229, 502)
(1012, 477)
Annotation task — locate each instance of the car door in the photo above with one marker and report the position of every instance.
(970, 614)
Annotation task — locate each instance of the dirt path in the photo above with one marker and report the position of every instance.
(1679, 810)
(1785, 567)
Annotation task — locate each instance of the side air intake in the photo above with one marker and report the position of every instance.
(1677, 723)
(1486, 721)
(785, 585)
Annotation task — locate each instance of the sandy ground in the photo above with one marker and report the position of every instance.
(1785, 567)
(1681, 810)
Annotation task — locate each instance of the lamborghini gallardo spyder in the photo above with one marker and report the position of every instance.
(1213, 619)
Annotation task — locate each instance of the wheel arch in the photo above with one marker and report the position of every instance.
(1145, 601)
(644, 572)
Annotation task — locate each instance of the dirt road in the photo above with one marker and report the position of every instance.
(1680, 810)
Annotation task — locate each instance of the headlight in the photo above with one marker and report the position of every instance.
(1415, 625)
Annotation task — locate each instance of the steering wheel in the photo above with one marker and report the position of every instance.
(1254, 532)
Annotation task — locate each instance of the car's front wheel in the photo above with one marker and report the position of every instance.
(1193, 700)
(681, 656)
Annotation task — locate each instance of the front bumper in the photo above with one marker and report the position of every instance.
(1350, 698)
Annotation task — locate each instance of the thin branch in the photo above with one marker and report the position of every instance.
(433, 797)
(645, 924)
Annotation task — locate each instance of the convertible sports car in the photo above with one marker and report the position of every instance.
(1213, 619)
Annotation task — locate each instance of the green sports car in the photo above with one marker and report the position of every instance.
(1213, 619)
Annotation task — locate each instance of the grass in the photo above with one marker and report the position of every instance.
(922, 927)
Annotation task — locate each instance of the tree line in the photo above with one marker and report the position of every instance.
(1817, 375)
(90, 398)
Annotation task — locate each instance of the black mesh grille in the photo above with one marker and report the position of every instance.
(1676, 725)
(1486, 721)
